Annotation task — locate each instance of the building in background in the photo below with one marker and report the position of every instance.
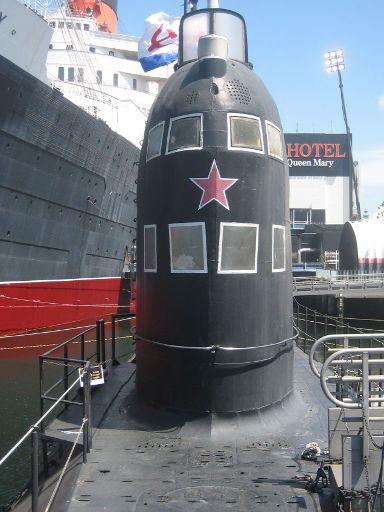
(320, 176)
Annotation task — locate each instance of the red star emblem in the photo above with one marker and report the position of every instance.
(214, 187)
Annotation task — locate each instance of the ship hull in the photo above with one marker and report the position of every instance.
(34, 311)
(67, 198)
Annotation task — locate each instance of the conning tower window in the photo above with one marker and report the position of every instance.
(244, 133)
(238, 246)
(155, 138)
(188, 248)
(185, 133)
(150, 249)
(278, 248)
(275, 144)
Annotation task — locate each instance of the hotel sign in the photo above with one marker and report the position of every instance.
(317, 154)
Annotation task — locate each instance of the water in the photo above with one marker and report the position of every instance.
(19, 398)
(20, 408)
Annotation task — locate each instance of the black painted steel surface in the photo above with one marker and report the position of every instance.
(186, 313)
(67, 185)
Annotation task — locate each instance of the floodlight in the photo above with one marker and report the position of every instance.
(334, 60)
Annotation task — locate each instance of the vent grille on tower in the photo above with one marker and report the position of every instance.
(238, 91)
(191, 98)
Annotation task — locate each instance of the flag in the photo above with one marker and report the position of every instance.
(160, 43)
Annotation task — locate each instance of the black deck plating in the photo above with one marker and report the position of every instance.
(146, 460)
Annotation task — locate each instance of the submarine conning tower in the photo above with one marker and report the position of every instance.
(214, 297)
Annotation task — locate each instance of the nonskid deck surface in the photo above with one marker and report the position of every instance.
(146, 460)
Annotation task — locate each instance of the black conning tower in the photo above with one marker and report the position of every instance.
(214, 320)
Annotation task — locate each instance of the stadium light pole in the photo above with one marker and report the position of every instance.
(334, 62)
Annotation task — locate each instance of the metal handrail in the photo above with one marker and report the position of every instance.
(345, 338)
(365, 378)
(42, 418)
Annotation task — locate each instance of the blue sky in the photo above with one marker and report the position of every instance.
(287, 41)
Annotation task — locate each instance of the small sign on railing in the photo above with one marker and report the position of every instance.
(97, 375)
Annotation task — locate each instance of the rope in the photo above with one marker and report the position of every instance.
(21, 335)
(58, 483)
(46, 303)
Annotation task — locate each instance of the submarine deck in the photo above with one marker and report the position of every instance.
(146, 460)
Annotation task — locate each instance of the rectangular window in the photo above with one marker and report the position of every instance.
(61, 24)
(155, 138)
(71, 74)
(134, 84)
(275, 145)
(70, 25)
(318, 217)
(278, 248)
(188, 248)
(80, 75)
(86, 27)
(111, 53)
(78, 26)
(92, 49)
(184, 133)
(99, 76)
(244, 133)
(238, 246)
(69, 47)
(52, 24)
(60, 73)
(150, 249)
(303, 216)
(115, 80)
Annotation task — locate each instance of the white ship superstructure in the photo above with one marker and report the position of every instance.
(100, 72)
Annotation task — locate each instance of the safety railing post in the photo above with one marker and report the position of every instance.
(365, 404)
(41, 372)
(87, 413)
(102, 336)
(113, 336)
(65, 367)
(98, 342)
(306, 329)
(82, 354)
(35, 469)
